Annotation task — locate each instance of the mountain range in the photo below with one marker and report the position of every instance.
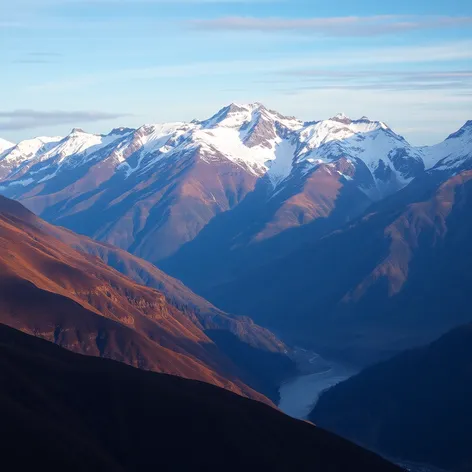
(395, 278)
(181, 248)
(307, 227)
(157, 187)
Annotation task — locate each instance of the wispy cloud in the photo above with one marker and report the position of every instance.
(30, 119)
(453, 81)
(389, 86)
(38, 58)
(426, 75)
(164, 1)
(428, 54)
(33, 61)
(48, 54)
(334, 26)
(51, 3)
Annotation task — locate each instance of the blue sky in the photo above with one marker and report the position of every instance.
(98, 64)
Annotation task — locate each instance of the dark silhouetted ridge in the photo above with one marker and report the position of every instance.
(64, 411)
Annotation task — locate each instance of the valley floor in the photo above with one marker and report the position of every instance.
(299, 395)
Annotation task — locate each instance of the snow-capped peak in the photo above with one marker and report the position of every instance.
(255, 138)
(121, 131)
(342, 118)
(238, 115)
(30, 148)
(231, 116)
(345, 120)
(338, 128)
(5, 145)
(247, 106)
(76, 131)
(452, 153)
(79, 143)
(466, 128)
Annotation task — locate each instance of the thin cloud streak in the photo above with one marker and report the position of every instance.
(44, 54)
(52, 3)
(334, 26)
(317, 73)
(389, 55)
(391, 86)
(29, 119)
(452, 81)
(34, 61)
(38, 58)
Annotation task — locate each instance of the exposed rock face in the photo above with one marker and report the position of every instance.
(77, 301)
(222, 204)
(396, 278)
(154, 190)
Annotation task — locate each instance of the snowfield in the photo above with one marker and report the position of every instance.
(260, 141)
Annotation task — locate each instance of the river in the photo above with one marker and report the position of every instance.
(299, 395)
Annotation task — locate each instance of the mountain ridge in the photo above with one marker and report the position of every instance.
(251, 187)
(395, 256)
(427, 390)
(256, 124)
(74, 299)
(152, 190)
(79, 413)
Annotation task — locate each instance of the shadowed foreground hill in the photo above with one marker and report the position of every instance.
(75, 300)
(65, 411)
(238, 337)
(415, 407)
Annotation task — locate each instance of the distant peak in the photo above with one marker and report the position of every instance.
(466, 128)
(4, 141)
(4, 145)
(237, 107)
(230, 111)
(341, 118)
(120, 131)
(77, 131)
(364, 118)
(257, 105)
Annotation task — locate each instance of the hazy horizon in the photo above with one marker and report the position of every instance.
(99, 126)
(124, 63)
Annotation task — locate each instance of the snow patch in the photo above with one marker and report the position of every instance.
(23, 183)
(5, 145)
(282, 164)
(258, 140)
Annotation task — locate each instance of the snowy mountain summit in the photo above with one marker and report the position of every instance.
(165, 182)
(262, 141)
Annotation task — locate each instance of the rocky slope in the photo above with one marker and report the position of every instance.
(415, 407)
(75, 413)
(296, 224)
(153, 190)
(258, 352)
(395, 278)
(75, 300)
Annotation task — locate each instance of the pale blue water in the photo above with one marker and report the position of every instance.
(299, 395)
